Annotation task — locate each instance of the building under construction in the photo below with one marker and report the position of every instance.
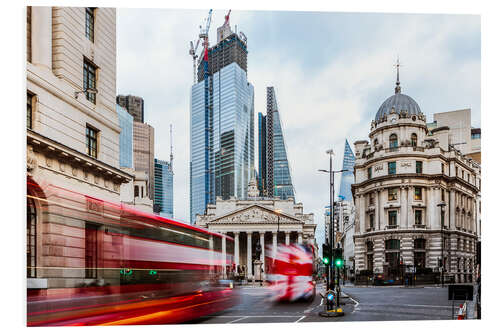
(222, 121)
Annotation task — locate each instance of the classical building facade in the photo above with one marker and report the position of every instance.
(72, 138)
(264, 221)
(417, 196)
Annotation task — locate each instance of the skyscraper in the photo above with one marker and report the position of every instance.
(164, 188)
(222, 111)
(133, 104)
(144, 152)
(126, 137)
(347, 178)
(274, 171)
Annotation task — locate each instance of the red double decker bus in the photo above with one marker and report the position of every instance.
(125, 266)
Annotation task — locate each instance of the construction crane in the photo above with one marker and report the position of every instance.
(171, 151)
(226, 18)
(193, 48)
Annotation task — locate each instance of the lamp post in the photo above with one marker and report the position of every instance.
(441, 206)
(278, 211)
(332, 225)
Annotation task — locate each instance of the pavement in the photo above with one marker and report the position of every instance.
(359, 304)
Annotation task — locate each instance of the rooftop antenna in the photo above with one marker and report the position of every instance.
(171, 149)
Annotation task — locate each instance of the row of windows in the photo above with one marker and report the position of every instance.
(393, 219)
(392, 194)
(393, 140)
(391, 167)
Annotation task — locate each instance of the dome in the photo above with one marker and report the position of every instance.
(400, 102)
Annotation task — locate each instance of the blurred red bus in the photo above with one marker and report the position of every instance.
(290, 273)
(139, 268)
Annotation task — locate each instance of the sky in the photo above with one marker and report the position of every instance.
(331, 72)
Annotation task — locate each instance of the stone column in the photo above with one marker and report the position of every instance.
(299, 237)
(249, 254)
(410, 215)
(236, 249)
(287, 237)
(275, 243)
(376, 225)
(262, 256)
(404, 208)
(41, 36)
(224, 255)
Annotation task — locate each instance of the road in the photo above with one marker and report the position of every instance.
(363, 304)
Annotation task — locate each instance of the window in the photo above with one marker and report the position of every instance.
(370, 173)
(369, 246)
(375, 142)
(31, 238)
(418, 217)
(442, 168)
(393, 141)
(90, 251)
(418, 166)
(442, 195)
(468, 177)
(89, 80)
(392, 168)
(393, 218)
(392, 244)
(142, 191)
(419, 259)
(91, 135)
(89, 23)
(136, 191)
(392, 194)
(456, 171)
(418, 193)
(463, 174)
(29, 111)
(372, 221)
(419, 244)
(413, 140)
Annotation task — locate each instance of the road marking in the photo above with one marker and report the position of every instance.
(263, 316)
(410, 305)
(300, 319)
(233, 321)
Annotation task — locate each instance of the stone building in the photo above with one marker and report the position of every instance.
(267, 221)
(417, 197)
(72, 137)
(134, 106)
(144, 153)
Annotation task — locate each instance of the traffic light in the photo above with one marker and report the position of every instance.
(338, 258)
(330, 299)
(326, 254)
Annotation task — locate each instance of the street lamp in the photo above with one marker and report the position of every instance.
(278, 211)
(441, 206)
(332, 225)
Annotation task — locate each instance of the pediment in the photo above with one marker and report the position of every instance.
(255, 214)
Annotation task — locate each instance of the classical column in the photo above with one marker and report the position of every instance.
(287, 237)
(404, 208)
(236, 249)
(376, 225)
(249, 254)
(224, 256)
(41, 36)
(275, 243)
(262, 256)
(299, 238)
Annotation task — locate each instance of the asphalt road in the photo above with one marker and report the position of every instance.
(360, 304)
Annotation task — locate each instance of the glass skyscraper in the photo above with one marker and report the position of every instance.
(164, 188)
(222, 126)
(347, 178)
(274, 170)
(126, 121)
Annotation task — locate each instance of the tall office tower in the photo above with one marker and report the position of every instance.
(144, 152)
(274, 170)
(347, 178)
(133, 104)
(222, 125)
(164, 188)
(126, 137)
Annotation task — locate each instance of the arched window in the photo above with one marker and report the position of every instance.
(393, 141)
(31, 238)
(413, 140)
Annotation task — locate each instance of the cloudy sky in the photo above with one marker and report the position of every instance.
(331, 72)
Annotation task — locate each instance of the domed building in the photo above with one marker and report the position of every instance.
(416, 197)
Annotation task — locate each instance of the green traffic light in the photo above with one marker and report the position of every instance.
(325, 261)
(338, 263)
